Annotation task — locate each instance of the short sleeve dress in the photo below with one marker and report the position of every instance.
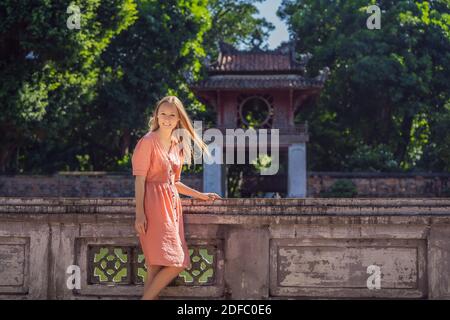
(164, 242)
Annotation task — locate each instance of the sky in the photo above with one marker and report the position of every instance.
(268, 9)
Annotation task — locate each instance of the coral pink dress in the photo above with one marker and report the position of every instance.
(163, 243)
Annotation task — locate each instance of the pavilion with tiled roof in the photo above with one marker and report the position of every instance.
(256, 69)
(261, 89)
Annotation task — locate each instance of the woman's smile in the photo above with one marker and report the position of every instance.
(168, 115)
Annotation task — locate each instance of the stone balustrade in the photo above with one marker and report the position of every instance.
(240, 249)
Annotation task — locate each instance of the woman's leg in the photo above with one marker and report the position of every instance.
(152, 270)
(160, 281)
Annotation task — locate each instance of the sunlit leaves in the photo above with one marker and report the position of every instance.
(382, 82)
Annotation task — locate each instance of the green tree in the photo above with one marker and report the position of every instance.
(79, 99)
(234, 22)
(436, 154)
(384, 84)
(48, 72)
(154, 57)
(161, 53)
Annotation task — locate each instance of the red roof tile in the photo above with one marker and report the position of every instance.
(282, 60)
(283, 81)
(258, 69)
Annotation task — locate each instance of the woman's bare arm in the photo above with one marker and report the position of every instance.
(139, 189)
(140, 223)
(187, 191)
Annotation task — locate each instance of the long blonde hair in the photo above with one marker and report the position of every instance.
(183, 123)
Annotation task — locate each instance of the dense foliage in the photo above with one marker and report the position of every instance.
(386, 105)
(77, 99)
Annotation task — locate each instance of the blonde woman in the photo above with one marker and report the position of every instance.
(157, 161)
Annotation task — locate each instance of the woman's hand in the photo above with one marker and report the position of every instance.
(140, 224)
(209, 196)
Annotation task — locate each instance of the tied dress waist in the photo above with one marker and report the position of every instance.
(173, 189)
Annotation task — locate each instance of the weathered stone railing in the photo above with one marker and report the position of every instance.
(240, 248)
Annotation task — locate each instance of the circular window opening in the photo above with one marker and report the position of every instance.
(254, 112)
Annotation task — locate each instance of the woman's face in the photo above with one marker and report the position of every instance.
(168, 116)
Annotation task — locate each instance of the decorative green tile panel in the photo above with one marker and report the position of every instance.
(109, 265)
(120, 265)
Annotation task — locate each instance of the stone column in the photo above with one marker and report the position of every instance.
(439, 260)
(247, 262)
(297, 170)
(214, 176)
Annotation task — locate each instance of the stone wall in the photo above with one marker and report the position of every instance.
(384, 184)
(240, 249)
(77, 184)
(100, 184)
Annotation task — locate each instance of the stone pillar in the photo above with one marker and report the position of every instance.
(247, 262)
(214, 176)
(297, 171)
(439, 260)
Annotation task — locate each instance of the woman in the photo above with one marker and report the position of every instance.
(157, 161)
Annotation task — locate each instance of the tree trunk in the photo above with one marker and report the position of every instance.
(405, 138)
